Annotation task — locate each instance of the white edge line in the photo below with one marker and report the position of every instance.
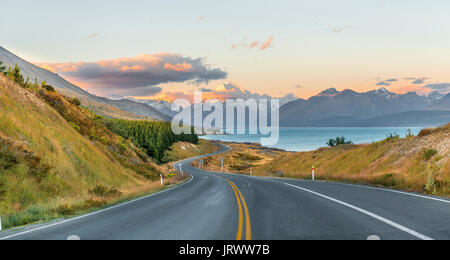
(96, 212)
(393, 191)
(387, 221)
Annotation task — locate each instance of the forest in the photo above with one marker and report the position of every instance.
(153, 137)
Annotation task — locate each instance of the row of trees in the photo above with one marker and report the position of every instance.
(15, 74)
(154, 137)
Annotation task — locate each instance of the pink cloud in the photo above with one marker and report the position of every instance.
(182, 67)
(92, 36)
(255, 44)
(267, 44)
(129, 74)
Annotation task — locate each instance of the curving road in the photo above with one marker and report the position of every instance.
(221, 206)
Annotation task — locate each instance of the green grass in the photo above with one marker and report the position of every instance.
(53, 153)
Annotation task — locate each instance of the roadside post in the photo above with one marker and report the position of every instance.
(313, 177)
(162, 182)
(181, 170)
(0, 223)
(221, 164)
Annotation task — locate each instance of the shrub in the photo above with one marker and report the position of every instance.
(409, 133)
(65, 210)
(75, 126)
(103, 191)
(387, 180)
(425, 132)
(393, 136)
(90, 203)
(338, 141)
(428, 154)
(76, 102)
(49, 88)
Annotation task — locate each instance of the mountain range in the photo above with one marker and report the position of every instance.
(374, 108)
(329, 108)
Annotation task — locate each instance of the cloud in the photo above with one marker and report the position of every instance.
(438, 86)
(386, 82)
(339, 29)
(442, 88)
(267, 44)
(392, 80)
(221, 92)
(255, 44)
(298, 86)
(418, 82)
(92, 36)
(201, 18)
(138, 73)
(383, 83)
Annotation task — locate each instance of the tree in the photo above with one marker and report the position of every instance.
(2, 68)
(338, 141)
(15, 75)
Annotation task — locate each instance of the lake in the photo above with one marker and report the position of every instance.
(312, 138)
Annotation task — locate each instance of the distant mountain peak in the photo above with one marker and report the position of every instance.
(331, 92)
(383, 92)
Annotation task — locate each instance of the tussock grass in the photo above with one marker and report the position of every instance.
(416, 163)
(57, 159)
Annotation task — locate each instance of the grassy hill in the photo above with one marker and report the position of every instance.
(57, 159)
(124, 109)
(416, 163)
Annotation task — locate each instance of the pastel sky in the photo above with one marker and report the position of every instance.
(157, 48)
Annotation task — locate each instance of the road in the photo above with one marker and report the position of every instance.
(221, 206)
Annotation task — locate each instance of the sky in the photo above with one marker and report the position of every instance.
(169, 48)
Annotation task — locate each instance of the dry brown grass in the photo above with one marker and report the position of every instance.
(52, 153)
(405, 164)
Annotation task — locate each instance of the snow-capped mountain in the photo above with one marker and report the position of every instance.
(350, 106)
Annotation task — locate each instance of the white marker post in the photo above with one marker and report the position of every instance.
(313, 173)
(162, 182)
(181, 170)
(0, 223)
(221, 164)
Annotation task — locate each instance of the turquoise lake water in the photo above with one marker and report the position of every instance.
(309, 139)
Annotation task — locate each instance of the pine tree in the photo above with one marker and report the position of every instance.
(2, 68)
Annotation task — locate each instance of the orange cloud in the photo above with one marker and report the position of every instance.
(131, 68)
(92, 36)
(144, 71)
(267, 44)
(254, 44)
(181, 67)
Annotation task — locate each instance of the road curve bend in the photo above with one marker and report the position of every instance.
(222, 206)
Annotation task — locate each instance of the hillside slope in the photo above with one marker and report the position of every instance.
(103, 106)
(57, 159)
(418, 163)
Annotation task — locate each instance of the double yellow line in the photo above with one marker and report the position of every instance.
(248, 228)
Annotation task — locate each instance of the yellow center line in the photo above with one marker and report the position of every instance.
(248, 231)
(241, 219)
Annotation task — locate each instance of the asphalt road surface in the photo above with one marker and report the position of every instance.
(221, 206)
